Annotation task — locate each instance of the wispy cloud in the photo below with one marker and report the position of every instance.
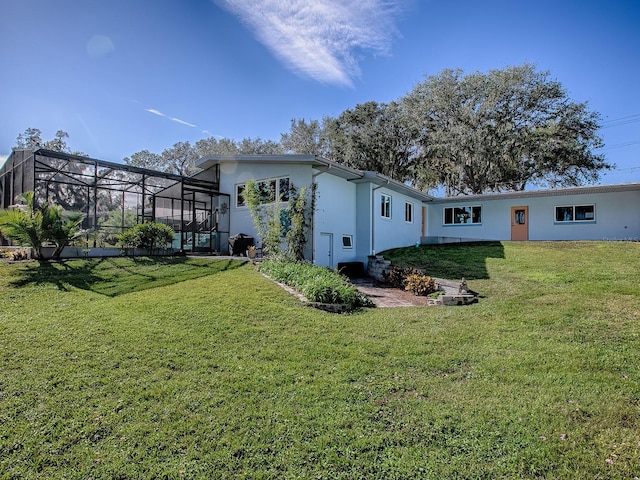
(173, 119)
(321, 39)
(155, 112)
(177, 120)
(180, 121)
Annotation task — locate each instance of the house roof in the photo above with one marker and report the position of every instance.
(553, 192)
(320, 165)
(394, 185)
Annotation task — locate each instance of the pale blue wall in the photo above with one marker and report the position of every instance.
(395, 232)
(617, 217)
(233, 173)
(335, 214)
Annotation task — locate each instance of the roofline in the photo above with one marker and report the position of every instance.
(210, 160)
(323, 165)
(551, 192)
(123, 166)
(104, 163)
(382, 180)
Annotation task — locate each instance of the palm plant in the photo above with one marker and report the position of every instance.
(22, 224)
(33, 227)
(60, 228)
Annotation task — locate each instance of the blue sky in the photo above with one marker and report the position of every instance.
(121, 76)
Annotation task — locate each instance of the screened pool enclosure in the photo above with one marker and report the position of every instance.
(114, 197)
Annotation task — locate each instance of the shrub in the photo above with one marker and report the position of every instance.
(150, 235)
(420, 284)
(397, 276)
(27, 224)
(15, 254)
(317, 284)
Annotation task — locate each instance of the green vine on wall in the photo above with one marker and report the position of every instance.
(282, 230)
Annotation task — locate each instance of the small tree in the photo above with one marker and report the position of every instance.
(59, 227)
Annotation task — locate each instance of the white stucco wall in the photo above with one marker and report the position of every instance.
(364, 222)
(616, 217)
(234, 173)
(335, 216)
(395, 232)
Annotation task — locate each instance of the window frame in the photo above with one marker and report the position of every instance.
(408, 212)
(474, 213)
(276, 185)
(350, 242)
(572, 209)
(385, 206)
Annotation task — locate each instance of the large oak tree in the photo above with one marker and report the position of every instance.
(374, 136)
(502, 131)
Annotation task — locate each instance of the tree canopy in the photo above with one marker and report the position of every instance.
(475, 133)
(503, 130)
(31, 138)
(182, 156)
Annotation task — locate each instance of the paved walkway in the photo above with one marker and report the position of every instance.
(387, 297)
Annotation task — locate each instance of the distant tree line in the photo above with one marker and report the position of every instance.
(469, 134)
(31, 138)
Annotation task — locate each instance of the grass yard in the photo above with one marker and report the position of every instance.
(191, 368)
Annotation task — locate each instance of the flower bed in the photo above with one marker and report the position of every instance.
(319, 285)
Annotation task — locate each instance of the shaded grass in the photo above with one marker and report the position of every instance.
(451, 261)
(226, 375)
(116, 276)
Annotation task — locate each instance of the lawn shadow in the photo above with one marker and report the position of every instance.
(451, 261)
(113, 276)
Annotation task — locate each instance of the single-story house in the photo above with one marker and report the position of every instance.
(358, 213)
(598, 212)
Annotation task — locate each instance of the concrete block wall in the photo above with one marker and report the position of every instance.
(377, 266)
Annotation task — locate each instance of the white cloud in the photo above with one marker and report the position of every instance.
(182, 122)
(173, 119)
(321, 39)
(155, 112)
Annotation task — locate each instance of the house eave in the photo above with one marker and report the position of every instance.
(553, 192)
(393, 185)
(210, 160)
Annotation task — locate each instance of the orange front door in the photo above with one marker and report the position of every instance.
(519, 223)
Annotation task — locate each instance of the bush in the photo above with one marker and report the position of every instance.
(317, 284)
(150, 235)
(397, 276)
(420, 284)
(16, 255)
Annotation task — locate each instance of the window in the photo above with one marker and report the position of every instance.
(408, 212)
(385, 206)
(347, 241)
(462, 215)
(575, 213)
(268, 190)
(240, 201)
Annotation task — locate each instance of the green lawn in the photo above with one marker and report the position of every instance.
(179, 368)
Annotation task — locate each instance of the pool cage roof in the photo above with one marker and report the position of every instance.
(115, 196)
